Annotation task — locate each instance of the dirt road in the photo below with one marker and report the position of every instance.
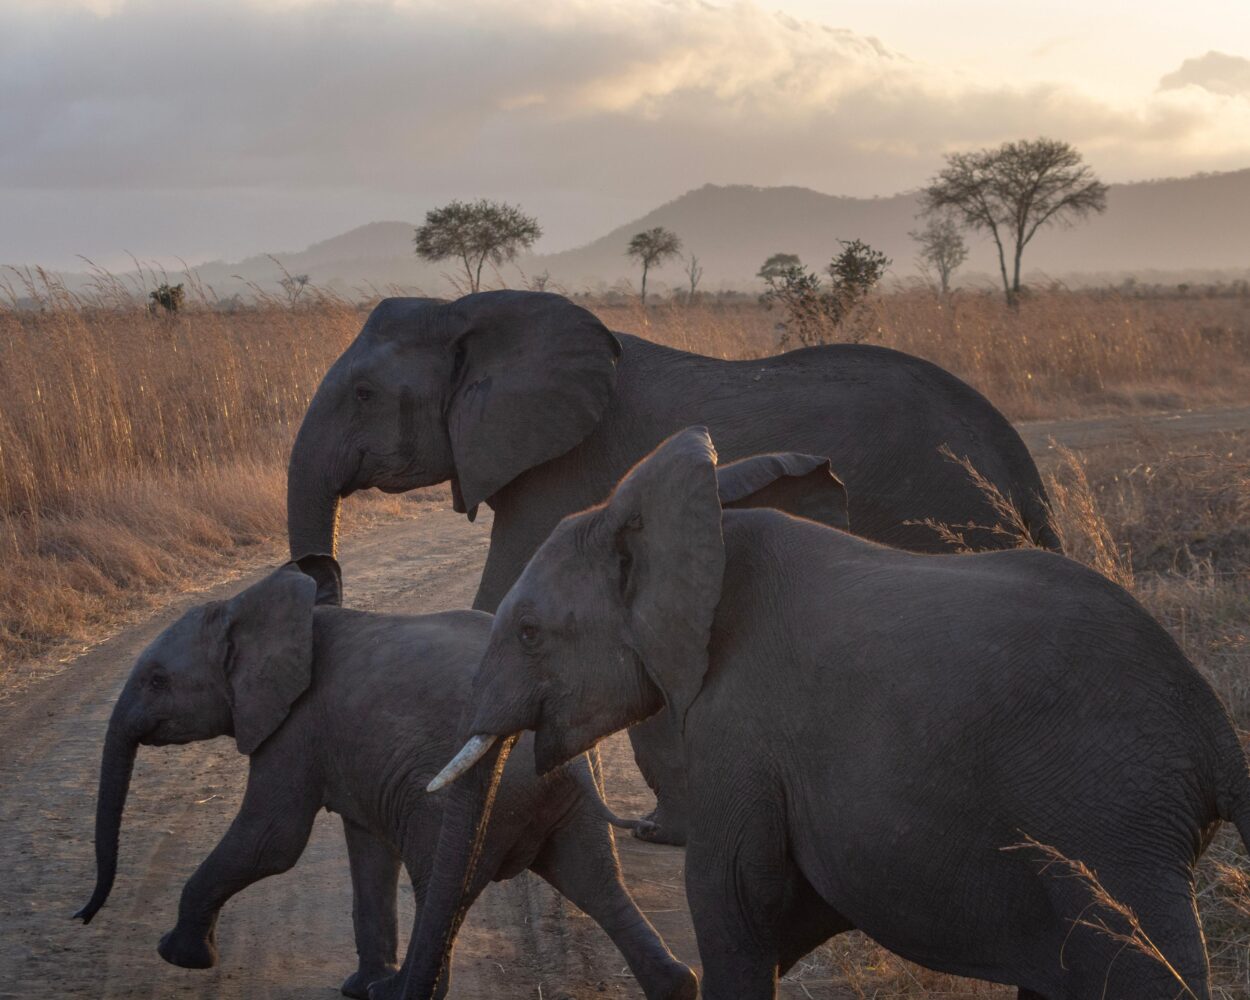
(290, 936)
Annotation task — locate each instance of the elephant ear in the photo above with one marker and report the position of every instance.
(534, 376)
(802, 485)
(325, 570)
(269, 643)
(665, 519)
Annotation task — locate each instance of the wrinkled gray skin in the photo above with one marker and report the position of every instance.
(354, 712)
(868, 733)
(526, 402)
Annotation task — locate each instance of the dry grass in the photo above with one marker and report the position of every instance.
(143, 454)
(1062, 354)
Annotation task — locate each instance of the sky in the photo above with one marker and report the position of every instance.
(215, 129)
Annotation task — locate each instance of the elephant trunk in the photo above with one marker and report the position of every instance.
(312, 494)
(120, 746)
(454, 878)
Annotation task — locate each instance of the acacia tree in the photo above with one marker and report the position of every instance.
(475, 232)
(777, 265)
(651, 248)
(1012, 191)
(942, 248)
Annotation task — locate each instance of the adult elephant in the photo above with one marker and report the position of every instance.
(996, 765)
(526, 402)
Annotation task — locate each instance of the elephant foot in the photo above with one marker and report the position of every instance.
(678, 982)
(188, 951)
(662, 827)
(389, 987)
(359, 983)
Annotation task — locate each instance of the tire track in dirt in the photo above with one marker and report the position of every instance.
(290, 936)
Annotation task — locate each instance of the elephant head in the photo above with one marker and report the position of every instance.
(612, 617)
(475, 391)
(230, 667)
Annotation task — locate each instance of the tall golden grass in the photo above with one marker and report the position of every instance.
(1062, 353)
(142, 451)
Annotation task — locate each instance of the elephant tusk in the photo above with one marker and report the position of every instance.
(473, 751)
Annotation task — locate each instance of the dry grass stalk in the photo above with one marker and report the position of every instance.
(1010, 526)
(1105, 914)
(1080, 524)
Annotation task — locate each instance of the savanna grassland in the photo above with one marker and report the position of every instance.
(143, 454)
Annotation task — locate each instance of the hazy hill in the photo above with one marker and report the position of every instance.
(1191, 229)
(379, 253)
(1181, 226)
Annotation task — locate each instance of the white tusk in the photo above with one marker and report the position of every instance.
(473, 751)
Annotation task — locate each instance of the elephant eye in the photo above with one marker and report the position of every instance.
(626, 566)
(158, 681)
(529, 633)
(364, 393)
(457, 362)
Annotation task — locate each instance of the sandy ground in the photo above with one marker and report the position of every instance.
(290, 936)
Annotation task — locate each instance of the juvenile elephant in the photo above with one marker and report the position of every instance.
(878, 739)
(353, 712)
(525, 401)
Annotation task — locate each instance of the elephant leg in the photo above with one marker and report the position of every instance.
(266, 838)
(661, 759)
(808, 923)
(394, 985)
(580, 862)
(736, 880)
(375, 874)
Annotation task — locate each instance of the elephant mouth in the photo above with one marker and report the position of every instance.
(165, 734)
(389, 473)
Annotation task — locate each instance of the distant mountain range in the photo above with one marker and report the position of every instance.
(1190, 229)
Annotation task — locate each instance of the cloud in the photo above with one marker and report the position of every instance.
(583, 110)
(1215, 72)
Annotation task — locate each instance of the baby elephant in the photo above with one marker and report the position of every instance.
(919, 746)
(354, 712)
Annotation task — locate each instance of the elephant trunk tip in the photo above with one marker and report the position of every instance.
(94, 904)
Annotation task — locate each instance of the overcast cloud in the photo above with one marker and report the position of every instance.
(233, 127)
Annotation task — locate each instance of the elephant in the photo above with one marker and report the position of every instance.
(526, 402)
(924, 747)
(354, 712)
